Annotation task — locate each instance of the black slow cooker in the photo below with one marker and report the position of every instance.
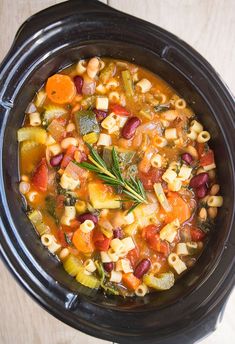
(49, 41)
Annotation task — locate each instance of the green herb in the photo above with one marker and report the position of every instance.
(161, 107)
(70, 201)
(110, 289)
(132, 188)
(51, 207)
(205, 226)
(67, 239)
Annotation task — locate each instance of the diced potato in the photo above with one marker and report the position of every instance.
(102, 103)
(102, 198)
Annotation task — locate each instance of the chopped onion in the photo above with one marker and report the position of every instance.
(89, 86)
(162, 197)
(31, 108)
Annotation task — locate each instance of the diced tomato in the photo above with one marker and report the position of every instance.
(74, 224)
(151, 235)
(133, 256)
(119, 110)
(149, 231)
(40, 176)
(101, 242)
(207, 158)
(68, 156)
(152, 176)
(200, 148)
(197, 234)
(61, 237)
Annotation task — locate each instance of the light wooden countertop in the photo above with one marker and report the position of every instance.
(207, 25)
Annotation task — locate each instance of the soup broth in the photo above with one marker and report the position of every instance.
(118, 176)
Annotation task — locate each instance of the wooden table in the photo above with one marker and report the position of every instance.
(209, 26)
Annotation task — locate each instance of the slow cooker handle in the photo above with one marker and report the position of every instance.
(44, 20)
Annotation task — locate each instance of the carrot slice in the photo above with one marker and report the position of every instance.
(180, 208)
(130, 281)
(83, 241)
(60, 89)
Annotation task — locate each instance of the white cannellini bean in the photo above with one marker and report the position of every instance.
(68, 141)
(70, 127)
(24, 187)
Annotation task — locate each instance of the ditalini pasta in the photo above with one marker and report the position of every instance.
(118, 176)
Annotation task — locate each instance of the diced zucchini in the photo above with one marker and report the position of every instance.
(53, 111)
(163, 282)
(38, 135)
(86, 122)
(89, 281)
(125, 157)
(102, 198)
(72, 265)
(128, 83)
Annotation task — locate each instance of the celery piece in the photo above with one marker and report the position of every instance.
(89, 281)
(38, 135)
(52, 112)
(163, 281)
(128, 84)
(35, 216)
(86, 122)
(72, 265)
(40, 98)
(107, 73)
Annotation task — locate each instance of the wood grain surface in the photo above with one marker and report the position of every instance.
(208, 26)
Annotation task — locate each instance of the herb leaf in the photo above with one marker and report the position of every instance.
(133, 187)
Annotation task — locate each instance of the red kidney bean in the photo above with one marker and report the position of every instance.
(117, 233)
(78, 82)
(142, 268)
(199, 180)
(129, 129)
(108, 266)
(186, 157)
(56, 160)
(87, 216)
(100, 115)
(201, 191)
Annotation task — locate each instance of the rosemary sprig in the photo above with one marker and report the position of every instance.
(133, 188)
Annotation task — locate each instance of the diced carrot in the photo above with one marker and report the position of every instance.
(180, 208)
(68, 156)
(130, 281)
(83, 241)
(60, 89)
